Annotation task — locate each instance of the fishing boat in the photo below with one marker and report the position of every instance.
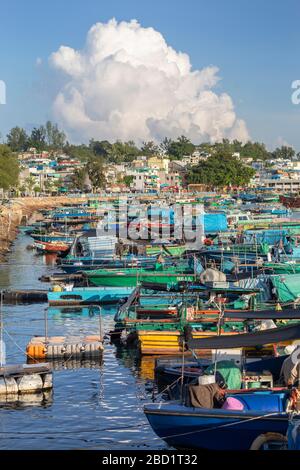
(286, 287)
(88, 296)
(51, 247)
(53, 238)
(264, 410)
(168, 371)
(185, 427)
(132, 277)
(87, 263)
(156, 323)
(292, 202)
(289, 267)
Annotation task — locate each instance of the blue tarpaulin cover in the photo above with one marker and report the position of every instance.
(216, 222)
(271, 237)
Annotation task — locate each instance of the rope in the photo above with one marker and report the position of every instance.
(74, 431)
(167, 388)
(256, 418)
(63, 361)
(19, 347)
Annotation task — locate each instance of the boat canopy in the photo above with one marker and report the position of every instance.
(259, 338)
(288, 314)
(287, 286)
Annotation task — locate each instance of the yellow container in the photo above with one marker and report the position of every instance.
(56, 288)
(159, 342)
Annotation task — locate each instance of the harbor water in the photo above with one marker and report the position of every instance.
(97, 406)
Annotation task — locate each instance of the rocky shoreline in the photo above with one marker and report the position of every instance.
(22, 210)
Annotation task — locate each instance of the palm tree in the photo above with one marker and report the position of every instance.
(30, 183)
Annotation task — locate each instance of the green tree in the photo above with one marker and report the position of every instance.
(284, 152)
(165, 145)
(128, 179)
(9, 168)
(219, 170)
(17, 139)
(30, 182)
(49, 185)
(37, 189)
(96, 174)
(38, 138)
(101, 148)
(123, 151)
(54, 137)
(80, 152)
(179, 148)
(255, 150)
(79, 178)
(149, 148)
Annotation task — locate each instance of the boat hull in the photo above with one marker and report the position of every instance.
(212, 429)
(132, 280)
(89, 296)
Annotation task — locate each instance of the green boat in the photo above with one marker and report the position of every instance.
(133, 277)
(176, 250)
(282, 268)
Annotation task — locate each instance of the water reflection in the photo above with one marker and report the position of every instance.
(73, 312)
(93, 405)
(21, 401)
(65, 364)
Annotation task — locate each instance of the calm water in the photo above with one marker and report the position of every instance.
(98, 406)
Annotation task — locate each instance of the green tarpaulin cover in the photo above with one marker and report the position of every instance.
(230, 373)
(287, 287)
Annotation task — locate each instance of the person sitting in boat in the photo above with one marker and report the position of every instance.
(205, 396)
(290, 369)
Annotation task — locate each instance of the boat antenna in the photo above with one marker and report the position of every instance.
(2, 347)
(182, 372)
(100, 322)
(221, 309)
(46, 325)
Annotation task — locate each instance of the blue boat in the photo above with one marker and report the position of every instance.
(75, 264)
(169, 374)
(261, 411)
(293, 433)
(89, 296)
(186, 427)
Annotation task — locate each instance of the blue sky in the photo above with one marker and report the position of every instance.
(254, 44)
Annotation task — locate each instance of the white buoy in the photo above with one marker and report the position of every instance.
(11, 385)
(2, 386)
(30, 383)
(48, 383)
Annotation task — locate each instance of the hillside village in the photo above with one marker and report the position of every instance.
(48, 172)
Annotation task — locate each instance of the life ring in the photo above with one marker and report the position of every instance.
(269, 436)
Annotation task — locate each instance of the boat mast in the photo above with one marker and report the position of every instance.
(2, 346)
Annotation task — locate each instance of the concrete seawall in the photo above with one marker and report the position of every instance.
(22, 209)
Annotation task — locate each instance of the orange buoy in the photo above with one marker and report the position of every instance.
(37, 351)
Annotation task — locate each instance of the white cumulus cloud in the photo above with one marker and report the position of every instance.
(127, 83)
